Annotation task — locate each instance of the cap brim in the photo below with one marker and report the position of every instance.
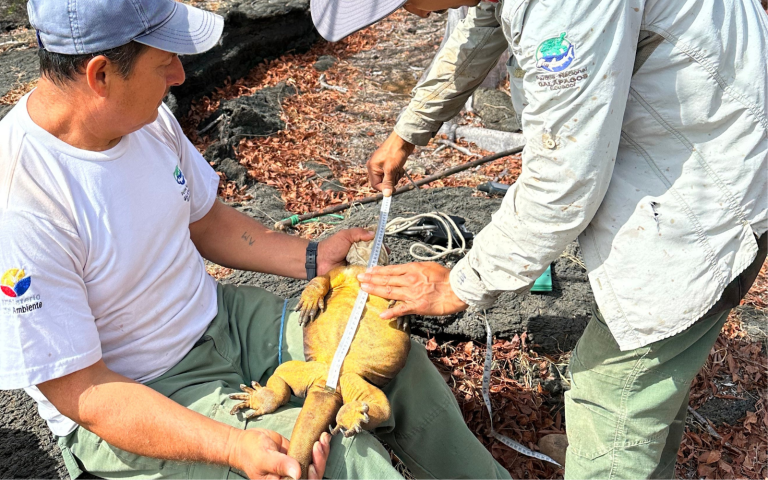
(335, 19)
(188, 30)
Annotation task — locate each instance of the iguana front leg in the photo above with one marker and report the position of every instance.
(365, 406)
(401, 323)
(312, 299)
(294, 375)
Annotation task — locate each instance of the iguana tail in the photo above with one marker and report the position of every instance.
(317, 415)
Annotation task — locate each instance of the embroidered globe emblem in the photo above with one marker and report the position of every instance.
(15, 283)
(179, 176)
(555, 54)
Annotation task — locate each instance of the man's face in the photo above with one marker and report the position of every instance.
(134, 100)
(423, 8)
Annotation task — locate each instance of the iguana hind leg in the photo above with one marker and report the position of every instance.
(365, 406)
(294, 375)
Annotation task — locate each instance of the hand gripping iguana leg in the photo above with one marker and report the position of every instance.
(293, 375)
(365, 406)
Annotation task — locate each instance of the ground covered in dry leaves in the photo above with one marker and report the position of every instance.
(341, 129)
(378, 67)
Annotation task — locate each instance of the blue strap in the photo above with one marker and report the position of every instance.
(280, 341)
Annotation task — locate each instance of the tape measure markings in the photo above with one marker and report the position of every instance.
(357, 310)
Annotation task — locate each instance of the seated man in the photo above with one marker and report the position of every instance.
(109, 319)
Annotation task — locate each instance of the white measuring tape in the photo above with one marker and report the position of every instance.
(486, 396)
(362, 297)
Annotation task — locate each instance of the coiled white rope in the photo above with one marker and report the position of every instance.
(431, 252)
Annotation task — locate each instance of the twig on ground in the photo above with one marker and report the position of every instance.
(439, 149)
(459, 148)
(323, 84)
(210, 125)
(704, 422)
(574, 259)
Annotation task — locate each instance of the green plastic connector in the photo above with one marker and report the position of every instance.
(544, 282)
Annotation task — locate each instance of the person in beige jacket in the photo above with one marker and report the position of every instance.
(647, 139)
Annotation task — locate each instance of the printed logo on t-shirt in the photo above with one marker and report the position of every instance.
(14, 284)
(179, 176)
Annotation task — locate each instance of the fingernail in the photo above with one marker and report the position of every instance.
(325, 439)
(387, 192)
(312, 471)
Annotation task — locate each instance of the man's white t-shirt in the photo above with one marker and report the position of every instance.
(96, 259)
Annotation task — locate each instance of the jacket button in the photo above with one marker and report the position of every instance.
(548, 141)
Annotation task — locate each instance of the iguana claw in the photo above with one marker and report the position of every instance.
(309, 308)
(351, 418)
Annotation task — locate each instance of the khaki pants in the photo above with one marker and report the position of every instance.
(243, 343)
(625, 411)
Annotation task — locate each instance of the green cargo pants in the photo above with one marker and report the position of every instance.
(625, 411)
(243, 343)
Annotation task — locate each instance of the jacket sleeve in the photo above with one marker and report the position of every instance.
(578, 59)
(471, 51)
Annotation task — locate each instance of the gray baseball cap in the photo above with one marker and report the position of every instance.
(335, 19)
(90, 26)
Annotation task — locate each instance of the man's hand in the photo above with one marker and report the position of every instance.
(137, 419)
(385, 167)
(422, 288)
(332, 252)
(262, 454)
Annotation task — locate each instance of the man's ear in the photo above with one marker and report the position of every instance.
(98, 73)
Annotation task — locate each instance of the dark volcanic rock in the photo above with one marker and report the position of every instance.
(13, 14)
(256, 115)
(27, 447)
(720, 410)
(496, 110)
(253, 32)
(324, 62)
(553, 320)
(324, 176)
(17, 67)
(4, 109)
(233, 171)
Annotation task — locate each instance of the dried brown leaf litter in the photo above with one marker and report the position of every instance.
(320, 122)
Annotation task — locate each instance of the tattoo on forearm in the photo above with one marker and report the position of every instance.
(248, 238)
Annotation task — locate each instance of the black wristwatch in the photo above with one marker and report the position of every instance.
(311, 264)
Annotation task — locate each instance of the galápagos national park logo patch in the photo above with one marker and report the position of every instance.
(555, 54)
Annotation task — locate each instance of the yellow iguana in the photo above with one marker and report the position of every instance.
(378, 352)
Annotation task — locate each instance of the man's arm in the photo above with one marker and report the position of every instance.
(578, 59)
(137, 419)
(471, 51)
(232, 239)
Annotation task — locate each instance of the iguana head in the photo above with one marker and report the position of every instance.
(360, 252)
